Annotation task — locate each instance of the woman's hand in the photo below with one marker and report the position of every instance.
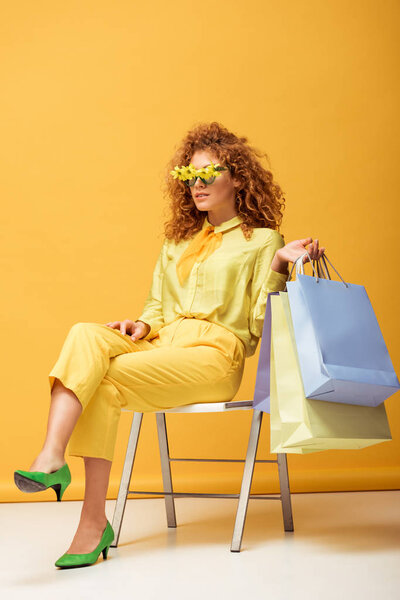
(292, 250)
(136, 329)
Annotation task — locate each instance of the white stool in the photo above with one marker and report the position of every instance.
(168, 492)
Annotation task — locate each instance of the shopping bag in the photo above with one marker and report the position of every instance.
(343, 356)
(261, 397)
(276, 423)
(299, 424)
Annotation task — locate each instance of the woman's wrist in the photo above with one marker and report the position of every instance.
(279, 264)
(148, 327)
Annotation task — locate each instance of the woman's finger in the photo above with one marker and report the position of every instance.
(306, 241)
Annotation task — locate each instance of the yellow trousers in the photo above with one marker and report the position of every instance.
(189, 361)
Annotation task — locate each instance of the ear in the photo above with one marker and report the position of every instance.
(236, 182)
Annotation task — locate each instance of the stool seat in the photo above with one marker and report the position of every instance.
(207, 407)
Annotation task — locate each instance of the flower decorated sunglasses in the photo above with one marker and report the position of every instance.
(189, 174)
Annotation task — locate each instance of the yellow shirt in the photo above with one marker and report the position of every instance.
(229, 288)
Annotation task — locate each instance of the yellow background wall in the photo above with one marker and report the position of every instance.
(95, 97)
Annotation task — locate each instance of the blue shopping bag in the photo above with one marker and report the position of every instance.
(342, 354)
(261, 397)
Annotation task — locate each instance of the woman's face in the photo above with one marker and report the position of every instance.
(221, 193)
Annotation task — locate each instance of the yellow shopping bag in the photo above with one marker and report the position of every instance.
(300, 424)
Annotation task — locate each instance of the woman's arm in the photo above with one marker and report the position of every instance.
(152, 314)
(265, 279)
(271, 272)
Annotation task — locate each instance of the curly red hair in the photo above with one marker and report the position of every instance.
(259, 200)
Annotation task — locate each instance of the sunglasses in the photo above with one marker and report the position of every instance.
(189, 174)
(207, 180)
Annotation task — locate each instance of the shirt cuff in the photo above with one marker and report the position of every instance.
(153, 330)
(276, 281)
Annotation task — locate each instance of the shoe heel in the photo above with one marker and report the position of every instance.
(105, 552)
(59, 490)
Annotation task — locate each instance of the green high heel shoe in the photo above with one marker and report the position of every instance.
(36, 481)
(84, 560)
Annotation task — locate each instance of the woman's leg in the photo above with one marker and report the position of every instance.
(93, 516)
(74, 379)
(64, 412)
(83, 361)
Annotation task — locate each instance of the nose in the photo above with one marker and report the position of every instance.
(199, 184)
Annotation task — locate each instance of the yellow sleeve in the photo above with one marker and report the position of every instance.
(265, 280)
(152, 313)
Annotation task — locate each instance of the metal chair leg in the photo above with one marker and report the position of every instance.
(246, 480)
(126, 476)
(166, 469)
(285, 492)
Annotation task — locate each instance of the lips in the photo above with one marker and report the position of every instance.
(200, 194)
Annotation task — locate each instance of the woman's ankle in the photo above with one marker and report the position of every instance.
(93, 521)
(48, 461)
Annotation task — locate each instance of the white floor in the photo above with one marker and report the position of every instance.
(345, 544)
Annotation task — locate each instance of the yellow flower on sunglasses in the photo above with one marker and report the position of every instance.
(189, 174)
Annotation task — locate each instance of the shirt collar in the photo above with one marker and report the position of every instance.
(225, 225)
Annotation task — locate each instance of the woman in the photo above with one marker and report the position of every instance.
(221, 256)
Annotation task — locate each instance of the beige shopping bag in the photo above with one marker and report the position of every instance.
(301, 425)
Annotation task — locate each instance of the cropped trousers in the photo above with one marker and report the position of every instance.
(189, 361)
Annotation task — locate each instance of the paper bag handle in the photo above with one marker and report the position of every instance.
(323, 266)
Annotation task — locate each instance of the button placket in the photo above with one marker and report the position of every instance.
(193, 282)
